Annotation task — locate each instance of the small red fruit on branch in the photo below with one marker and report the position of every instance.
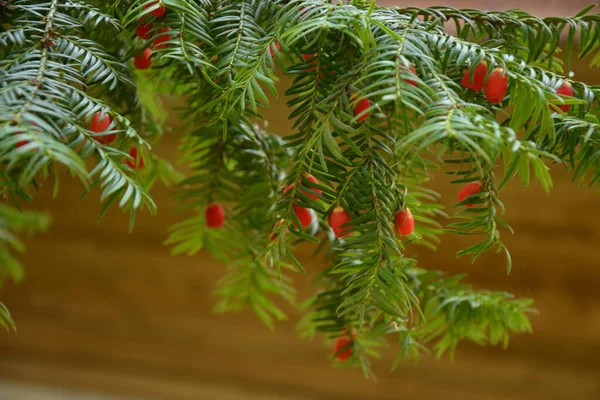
(566, 89)
(496, 86)
(342, 348)
(214, 215)
(311, 195)
(21, 143)
(143, 30)
(404, 222)
(159, 42)
(303, 215)
(143, 60)
(272, 48)
(315, 181)
(337, 218)
(414, 72)
(159, 12)
(478, 77)
(361, 106)
(99, 124)
(469, 189)
(307, 57)
(133, 152)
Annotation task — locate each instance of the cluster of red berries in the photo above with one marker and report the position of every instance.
(144, 60)
(495, 87)
(404, 222)
(99, 124)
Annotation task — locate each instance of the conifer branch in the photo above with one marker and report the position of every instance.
(377, 102)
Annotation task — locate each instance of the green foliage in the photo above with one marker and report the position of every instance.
(62, 64)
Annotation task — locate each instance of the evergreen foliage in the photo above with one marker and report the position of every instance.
(63, 61)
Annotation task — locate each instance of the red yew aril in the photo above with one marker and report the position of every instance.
(159, 12)
(313, 180)
(496, 86)
(362, 105)
(404, 222)
(214, 215)
(272, 48)
(143, 30)
(337, 218)
(414, 72)
(342, 349)
(133, 152)
(22, 143)
(100, 124)
(469, 189)
(318, 191)
(143, 60)
(566, 89)
(307, 57)
(478, 77)
(159, 42)
(303, 215)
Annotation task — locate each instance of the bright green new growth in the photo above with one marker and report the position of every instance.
(62, 63)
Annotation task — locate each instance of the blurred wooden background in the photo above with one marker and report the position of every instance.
(102, 310)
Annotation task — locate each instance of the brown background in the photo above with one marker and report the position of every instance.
(104, 310)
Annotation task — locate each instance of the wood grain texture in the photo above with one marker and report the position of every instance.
(104, 310)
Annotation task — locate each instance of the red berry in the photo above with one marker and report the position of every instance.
(22, 143)
(143, 30)
(303, 215)
(405, 222)
(159, 12)
(272, 50)
(414, 72)
(478, 77)
(159, 42)
(133, 152)
(214, 215)
(337, 218)
(362, 105)
(288, 188)
(496, 86)
(318, 191)
(469, 189)
(100, 124)
(342, 349)
(143, 60)
(313, 180)
(566, 89)
(307, 57)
